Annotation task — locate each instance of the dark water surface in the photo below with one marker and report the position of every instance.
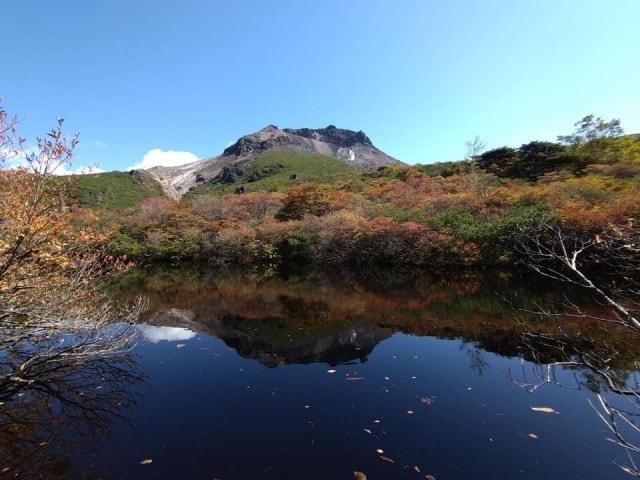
(314, 378)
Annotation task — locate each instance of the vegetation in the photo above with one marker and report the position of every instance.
(277, 170)
(112, 189)
(56, 329)
(300, 208)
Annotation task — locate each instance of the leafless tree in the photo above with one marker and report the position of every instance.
(474, 147)
(606, 264)
(62, 408)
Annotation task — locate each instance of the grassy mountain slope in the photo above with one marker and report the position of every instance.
(277, 170)
(112, 189)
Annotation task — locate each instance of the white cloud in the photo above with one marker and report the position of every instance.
(13, 159)
(163, 158)
(168, 334)
(100, 144)
(79, 171)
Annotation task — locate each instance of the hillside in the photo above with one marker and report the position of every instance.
(276, 170)
(112, 189)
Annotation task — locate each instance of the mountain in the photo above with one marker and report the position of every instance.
(240, 162)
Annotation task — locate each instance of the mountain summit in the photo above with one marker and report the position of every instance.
(353, 148)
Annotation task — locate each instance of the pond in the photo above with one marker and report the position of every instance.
(319, 376)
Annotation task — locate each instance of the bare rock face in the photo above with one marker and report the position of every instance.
(353, 148)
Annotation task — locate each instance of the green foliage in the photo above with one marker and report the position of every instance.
(112, 189)
(591, 129)
(495, 234)
(295, 249)
(447, 169)
(532, 160)
(122, 244)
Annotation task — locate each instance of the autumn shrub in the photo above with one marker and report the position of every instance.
(252, 206)
(310, 199)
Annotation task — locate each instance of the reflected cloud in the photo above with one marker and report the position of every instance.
(169, 334)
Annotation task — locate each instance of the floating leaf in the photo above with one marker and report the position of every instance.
(180, 345)
(331, 370)
(376, 421)
(409, 412)
(429, 477)
(354, 379)
(387, 459)
(533, 435)
(543, 409)
(359, 475)
(146, 461)
(379, 451)
(367, 431)
(416, 468)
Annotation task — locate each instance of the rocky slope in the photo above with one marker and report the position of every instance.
(353, 148)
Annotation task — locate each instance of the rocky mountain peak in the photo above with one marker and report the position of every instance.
(333, 135)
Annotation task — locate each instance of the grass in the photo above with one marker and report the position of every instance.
(274, 172)
(112, 189)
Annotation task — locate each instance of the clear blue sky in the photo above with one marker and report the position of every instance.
(419, 77)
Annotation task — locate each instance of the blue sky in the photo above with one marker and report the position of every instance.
(419, 77)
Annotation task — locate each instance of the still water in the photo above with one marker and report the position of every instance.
(314, 377)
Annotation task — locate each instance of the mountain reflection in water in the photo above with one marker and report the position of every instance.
(313, 377)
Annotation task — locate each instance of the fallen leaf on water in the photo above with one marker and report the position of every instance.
(409, 412)
(386, 459)
(387, 378)
(354, 379)
(533, 435)
(307, 406)
(543, 409)
(429, 477)
(376, 421)
(180, 345)
(359, 475)
(367, 431)
(627, 470)
(416, 468)
(380, 451)
(146, 461)
(331, 371)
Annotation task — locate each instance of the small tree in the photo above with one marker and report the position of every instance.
(474, 147)
(593, 137)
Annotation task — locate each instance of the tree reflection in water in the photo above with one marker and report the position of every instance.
(65, 404)
(617, 391)
(280, 321)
